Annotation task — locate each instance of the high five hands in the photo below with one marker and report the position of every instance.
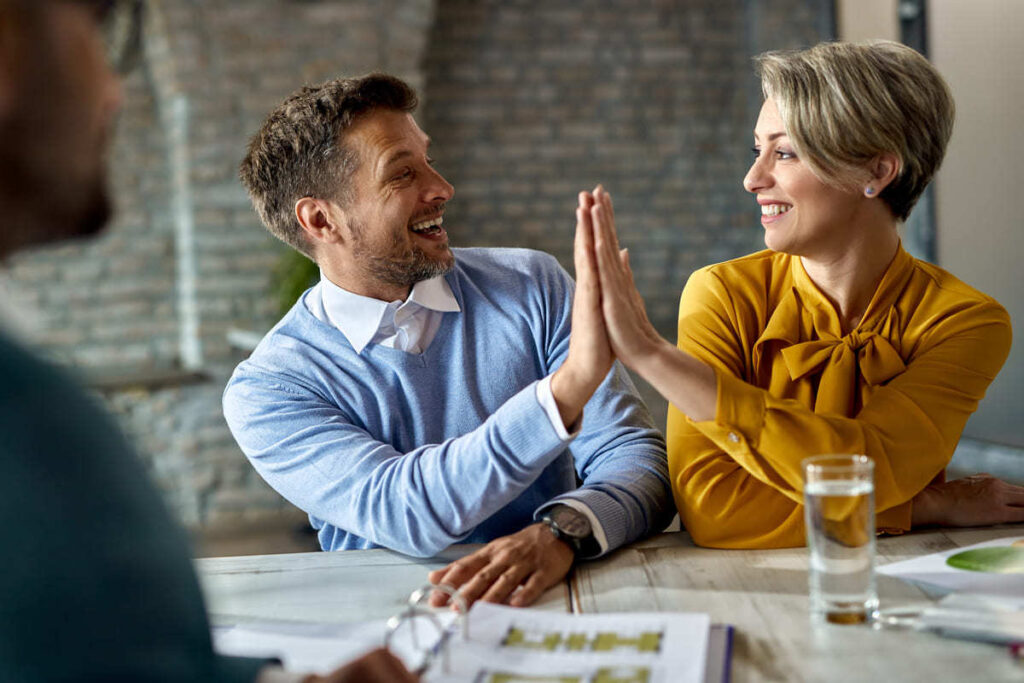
(630, 333)
(689, 384)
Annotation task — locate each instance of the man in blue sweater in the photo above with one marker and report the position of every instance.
(420, 396)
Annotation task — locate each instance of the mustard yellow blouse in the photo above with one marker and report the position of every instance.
(898, 388)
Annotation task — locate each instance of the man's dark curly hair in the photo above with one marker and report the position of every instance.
(300, 150)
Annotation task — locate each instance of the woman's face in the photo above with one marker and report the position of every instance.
(801, 215)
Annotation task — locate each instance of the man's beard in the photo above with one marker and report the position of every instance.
(402, 266)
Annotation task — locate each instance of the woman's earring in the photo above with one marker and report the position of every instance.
(869, 191)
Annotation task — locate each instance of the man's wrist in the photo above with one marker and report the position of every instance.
(570, 394)
(573, 528)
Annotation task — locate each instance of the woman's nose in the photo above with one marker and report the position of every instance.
(757, 177)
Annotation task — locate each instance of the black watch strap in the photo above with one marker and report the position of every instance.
(572, 527)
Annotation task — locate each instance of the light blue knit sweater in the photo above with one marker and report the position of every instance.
(416, 452)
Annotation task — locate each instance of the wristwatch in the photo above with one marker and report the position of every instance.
(572, 527)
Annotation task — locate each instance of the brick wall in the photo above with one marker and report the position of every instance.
(527, 103)
(531, 102)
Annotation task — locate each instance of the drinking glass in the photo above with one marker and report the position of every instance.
(839, 512)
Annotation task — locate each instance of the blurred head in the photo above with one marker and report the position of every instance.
(302, 149)
(58, 98)
(844, 105)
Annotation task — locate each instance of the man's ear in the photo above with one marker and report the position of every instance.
(320, 219)
(884, 169)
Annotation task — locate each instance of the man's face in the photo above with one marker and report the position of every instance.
(56, 111)
(393, 216)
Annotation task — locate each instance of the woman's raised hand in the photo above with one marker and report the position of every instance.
(630, 332)
(682, 379)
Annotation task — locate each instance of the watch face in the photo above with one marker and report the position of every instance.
(571, 522)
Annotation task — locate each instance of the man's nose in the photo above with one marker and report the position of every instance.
(438, 188)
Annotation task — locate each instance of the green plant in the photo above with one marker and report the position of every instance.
(293, 274)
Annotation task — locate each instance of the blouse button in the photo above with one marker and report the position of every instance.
(733, 437)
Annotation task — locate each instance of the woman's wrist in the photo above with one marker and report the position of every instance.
(688, 383)
(651, 359)
(924, 508)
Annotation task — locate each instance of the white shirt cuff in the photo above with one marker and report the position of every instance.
(547, 401)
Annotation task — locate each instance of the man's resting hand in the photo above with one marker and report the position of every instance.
(516, 568)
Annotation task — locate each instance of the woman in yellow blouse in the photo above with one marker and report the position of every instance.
(834, 339)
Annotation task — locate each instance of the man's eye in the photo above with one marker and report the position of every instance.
(405, 174)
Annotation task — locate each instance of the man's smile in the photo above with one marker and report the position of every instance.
(430, 227)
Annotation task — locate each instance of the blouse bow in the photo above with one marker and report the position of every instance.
(866, 353)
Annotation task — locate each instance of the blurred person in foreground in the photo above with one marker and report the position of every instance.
(834, 339)
(420, 396)
(96, 580)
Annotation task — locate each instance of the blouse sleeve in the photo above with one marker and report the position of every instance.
(737, 479)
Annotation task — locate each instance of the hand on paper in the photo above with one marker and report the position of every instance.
(515, 569)
(977, 500)
(379, 666)
(590, 356)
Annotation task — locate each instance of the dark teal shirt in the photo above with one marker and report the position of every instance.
(96, 583)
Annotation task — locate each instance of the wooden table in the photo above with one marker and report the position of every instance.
(763, 593)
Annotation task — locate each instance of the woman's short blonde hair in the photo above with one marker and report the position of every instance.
(843, 104)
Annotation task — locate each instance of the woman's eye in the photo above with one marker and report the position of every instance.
(784, 154)
(756, 151)
(404, 175)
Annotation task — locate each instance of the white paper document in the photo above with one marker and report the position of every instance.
(937, 574)
(512, 645)
(501, 645)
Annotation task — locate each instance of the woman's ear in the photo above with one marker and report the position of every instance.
(882, 171)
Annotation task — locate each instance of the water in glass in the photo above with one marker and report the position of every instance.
(841, 541)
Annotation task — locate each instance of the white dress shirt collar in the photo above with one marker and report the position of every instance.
(359, 317)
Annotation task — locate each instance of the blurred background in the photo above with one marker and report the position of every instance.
(527, 103)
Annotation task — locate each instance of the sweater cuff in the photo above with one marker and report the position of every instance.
(525, 426)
